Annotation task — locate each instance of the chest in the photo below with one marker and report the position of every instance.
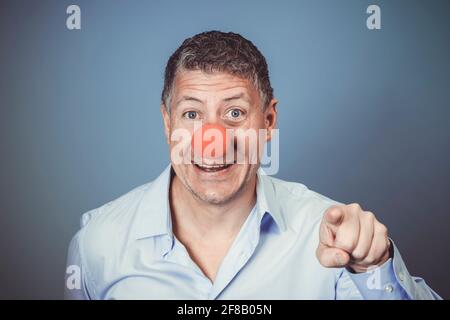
(275, 271)
(208, 255)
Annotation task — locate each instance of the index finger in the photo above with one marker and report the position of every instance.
(334, 216)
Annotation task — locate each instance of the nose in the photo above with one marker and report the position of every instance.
(209, 141)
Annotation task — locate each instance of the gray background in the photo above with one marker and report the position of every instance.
(364, 116)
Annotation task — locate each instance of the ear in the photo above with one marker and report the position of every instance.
(270, 118)
(166, 120)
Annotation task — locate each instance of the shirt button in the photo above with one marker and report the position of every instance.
(389, 288)
(401, 276)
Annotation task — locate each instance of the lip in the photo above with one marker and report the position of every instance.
(212, 174)
(212, 161)
(212, 167)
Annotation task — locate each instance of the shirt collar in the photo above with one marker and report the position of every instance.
(153, 212)
(267, 201)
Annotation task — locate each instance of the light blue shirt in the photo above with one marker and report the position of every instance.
(126, 250)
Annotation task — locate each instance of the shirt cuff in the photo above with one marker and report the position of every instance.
(380, 283)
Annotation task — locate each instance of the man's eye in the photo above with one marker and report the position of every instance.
(191, 115)
(235, 113)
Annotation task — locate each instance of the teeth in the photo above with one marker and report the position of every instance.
(212, 167)
(216, 166)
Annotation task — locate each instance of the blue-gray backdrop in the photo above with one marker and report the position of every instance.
(364, 116)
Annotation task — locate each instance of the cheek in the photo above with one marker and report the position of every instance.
(180, 145)
(250, 145)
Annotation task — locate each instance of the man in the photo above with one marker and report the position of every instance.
(209, 228)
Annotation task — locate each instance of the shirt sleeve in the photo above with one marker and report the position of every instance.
(379, 283)
(74, 284)
(390, 281)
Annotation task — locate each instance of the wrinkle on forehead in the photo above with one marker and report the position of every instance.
(218, 82)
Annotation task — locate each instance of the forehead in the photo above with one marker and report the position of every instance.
(217, 83)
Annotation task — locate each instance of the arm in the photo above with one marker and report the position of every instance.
(354, 239)
(391, 281)
(74, 284)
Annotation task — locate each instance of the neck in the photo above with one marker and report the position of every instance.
(198, 218)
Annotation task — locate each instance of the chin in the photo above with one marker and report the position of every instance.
(215, 198)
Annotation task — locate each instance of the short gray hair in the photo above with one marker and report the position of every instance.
(216, 51)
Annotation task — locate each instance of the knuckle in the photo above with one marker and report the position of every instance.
(370, 215)
(383, 229)
(358, 255)
(370, 259)
(355, 206)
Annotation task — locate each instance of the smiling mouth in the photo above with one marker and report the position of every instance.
(213, 168)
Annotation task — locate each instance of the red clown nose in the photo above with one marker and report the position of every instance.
(210, 141)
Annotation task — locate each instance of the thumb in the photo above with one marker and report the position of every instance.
(331, 257)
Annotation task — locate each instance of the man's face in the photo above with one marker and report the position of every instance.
(216, 99)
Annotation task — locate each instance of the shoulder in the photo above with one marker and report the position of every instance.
(104, 230)
(299, 205)
(115, 213)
